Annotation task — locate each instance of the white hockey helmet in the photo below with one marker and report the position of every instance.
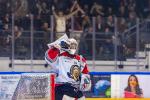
(72, 46)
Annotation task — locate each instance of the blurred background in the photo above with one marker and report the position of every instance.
(113, 35)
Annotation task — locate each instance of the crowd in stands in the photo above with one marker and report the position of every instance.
(104, 11)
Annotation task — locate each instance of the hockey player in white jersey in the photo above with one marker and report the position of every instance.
(72, 70)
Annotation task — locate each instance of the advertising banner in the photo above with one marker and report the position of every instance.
(101, 86)
(8, 84)
(130, 86)
(33, 87)
(25, 86)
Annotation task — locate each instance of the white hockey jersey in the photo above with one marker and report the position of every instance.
(69, 67)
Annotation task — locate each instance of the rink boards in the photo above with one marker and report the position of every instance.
(112, 84)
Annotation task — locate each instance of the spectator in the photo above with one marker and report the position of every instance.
(121, 24)
(118, 41)
(37, 22)
(131, 5)
(122, 11)
(45, 12)
(21, 8)
(86, 9)
(99, 24)
(17, 34)
(96, 10)
(109, 12)
(5, 33)
(6, 19)
(61, 21)
(86, 23)
(110, 24)
(46, 34)
(77, 18)
(132, 19)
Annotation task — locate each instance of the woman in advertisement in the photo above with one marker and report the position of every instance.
(133, 90)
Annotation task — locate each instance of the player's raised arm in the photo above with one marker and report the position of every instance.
(52, 53)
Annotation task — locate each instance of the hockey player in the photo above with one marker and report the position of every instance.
(72, 71)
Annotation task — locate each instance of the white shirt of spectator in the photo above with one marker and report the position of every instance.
(61, 24)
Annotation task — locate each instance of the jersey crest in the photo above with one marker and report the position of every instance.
(74, 73)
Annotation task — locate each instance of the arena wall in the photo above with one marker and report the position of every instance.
(99, 66)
